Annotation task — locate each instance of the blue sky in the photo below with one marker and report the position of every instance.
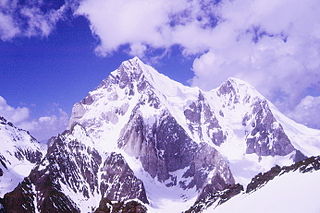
(53, 52)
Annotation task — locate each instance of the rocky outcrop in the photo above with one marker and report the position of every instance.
(46, 197)
(118, 182)
(267, 137)
(213, 196)
(132, 206)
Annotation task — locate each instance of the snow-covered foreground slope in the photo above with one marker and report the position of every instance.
(19, 152)
(293, 192)
(273, 191)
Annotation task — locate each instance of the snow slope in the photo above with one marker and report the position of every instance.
(294, 192)
(304, 138)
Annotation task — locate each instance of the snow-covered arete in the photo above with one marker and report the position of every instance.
(19, 152)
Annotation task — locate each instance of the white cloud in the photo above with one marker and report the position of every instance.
(15, 115)
(27, 18)
(8, 29)
(41, 128)
(307, 112)
(156, 23)
(274, 45)
(137, 49)
(47, 126)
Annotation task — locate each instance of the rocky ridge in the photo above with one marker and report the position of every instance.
(18, 154)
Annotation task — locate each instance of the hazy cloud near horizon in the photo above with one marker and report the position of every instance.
(42, 128)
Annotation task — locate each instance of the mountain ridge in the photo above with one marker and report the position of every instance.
(141, 136)
(18, 154)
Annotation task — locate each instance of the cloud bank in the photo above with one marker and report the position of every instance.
(41, 128)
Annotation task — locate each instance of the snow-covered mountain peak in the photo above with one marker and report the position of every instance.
(238, 91)
(131, 66)
(135, 71)
(134, 84)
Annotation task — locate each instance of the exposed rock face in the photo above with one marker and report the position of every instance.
(72, 176)
(18, 154)
(202, 121)
(26, 198)
(164, 147)
(267, 137)
(118, 181)
(230, 93)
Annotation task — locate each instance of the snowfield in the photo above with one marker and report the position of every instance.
(293, 192)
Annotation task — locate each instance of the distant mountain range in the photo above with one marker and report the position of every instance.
(143, 142)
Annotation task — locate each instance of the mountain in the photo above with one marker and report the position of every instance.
(19, 153)
(143, 141)
(234, 119)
